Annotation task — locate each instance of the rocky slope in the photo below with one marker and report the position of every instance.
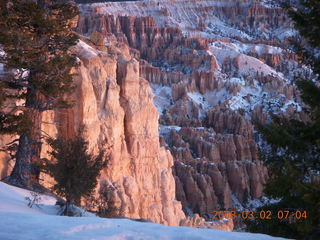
(213, 67)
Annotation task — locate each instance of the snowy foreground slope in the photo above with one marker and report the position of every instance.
(18, 221)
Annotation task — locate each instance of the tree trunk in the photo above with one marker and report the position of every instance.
(68, 211)
(21, 174)
(25, 173)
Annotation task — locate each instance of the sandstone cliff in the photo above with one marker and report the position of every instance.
(213, 67)
(115, 104)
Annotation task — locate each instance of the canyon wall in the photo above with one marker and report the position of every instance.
(214, 67)
(205, 70)
(116, 106)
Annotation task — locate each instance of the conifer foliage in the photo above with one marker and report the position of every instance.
(74, 169)
(294, 157)
(35, 37)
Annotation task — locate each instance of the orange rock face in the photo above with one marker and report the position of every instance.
(225, 165)
(116, 106)
(5, 164)
(213, 69)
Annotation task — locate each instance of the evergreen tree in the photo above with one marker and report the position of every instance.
(294, 157)
(102, 203)
(75, 170)
(35, 37)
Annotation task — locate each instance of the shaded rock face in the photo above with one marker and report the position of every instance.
(214, 168)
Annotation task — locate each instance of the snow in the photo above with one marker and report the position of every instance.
(18, 221)
(12, 199)
(250, 66)
(253, 204)
(245, 57)
(247, 65)
(209, 99)
(221, 29)
(240, 81)
(236, 203)
(262, 48)
(246, 76)
(269, 3)
(285, 34)
(213, 98)
(164, 130)
(294, 104)
(189, 15)
(223, 50)
(247, 98)
(249, 95)
(86, 50)
(178, 13)
(162, 97)
(197, 98)
(24, 226)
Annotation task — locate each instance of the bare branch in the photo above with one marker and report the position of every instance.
(15, 140)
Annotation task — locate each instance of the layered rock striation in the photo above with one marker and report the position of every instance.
(214, 67)
(116, 106)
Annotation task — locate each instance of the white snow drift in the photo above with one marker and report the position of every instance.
(19, 222)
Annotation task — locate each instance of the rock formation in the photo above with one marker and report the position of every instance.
(213, 67)
(210, 80)
(116, 106)
(197, 221)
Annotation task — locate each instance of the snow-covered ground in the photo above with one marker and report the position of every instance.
(19, 222)
(12, 199)
(247, 65)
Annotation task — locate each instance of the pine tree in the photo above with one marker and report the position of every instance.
(294, 157)
(35, 37)
(75, 170)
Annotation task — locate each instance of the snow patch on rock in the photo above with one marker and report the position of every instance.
(162, 97)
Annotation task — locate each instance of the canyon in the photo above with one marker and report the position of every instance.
(171, 90)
